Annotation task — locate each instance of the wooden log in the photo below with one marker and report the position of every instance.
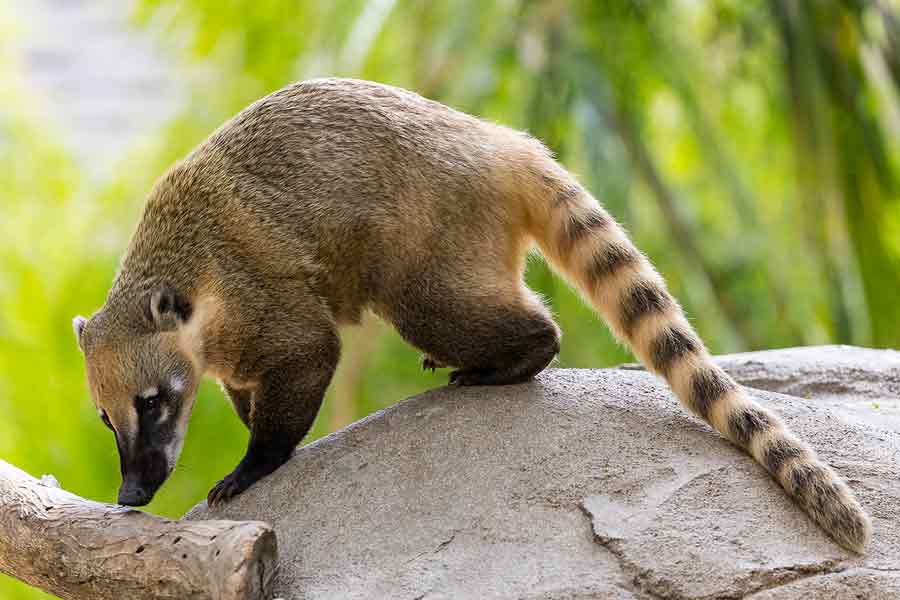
(79, 549)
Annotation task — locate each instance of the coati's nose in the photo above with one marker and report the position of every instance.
(134, 496)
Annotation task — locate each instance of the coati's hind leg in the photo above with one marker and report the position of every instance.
(429, 362)
(520, 346)
(493, 339)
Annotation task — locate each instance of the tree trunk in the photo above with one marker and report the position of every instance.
(79, 549)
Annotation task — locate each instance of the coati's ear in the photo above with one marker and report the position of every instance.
(167, 309)
(78, 326)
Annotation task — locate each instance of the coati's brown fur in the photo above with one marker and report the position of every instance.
(330, 197)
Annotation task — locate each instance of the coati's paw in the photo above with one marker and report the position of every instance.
(468, 377)
(430, 363)
(259, 461)
(226, 489)
(489, 377)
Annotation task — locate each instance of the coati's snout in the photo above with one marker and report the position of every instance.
(149, 452)
(142, 476)
(143, 382)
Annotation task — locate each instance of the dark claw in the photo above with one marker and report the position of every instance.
(255, 465)
(465, 377)
(430, 363)
(223, 491)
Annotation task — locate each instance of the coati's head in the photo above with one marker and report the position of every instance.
(143, 376)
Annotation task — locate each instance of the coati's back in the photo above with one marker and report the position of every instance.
(349, 150)
(372, 197)
(347, 173)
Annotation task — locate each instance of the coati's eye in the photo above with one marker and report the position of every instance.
(105, 418)
(149, 400)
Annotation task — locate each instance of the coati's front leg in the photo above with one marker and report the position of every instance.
(242, 400)
(282, 409)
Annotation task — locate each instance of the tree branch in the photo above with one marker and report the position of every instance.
(79, 549)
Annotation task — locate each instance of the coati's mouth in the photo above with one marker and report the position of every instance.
(135, 496)
(141, 482)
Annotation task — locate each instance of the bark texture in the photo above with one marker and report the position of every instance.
(79, 549)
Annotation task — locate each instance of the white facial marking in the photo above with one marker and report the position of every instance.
(163, 415)
(150, 392)
(173, 448)
(177, 384)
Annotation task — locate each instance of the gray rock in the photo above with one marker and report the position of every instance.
(857, 383)
(582, 484)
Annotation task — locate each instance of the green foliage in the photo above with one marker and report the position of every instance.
(750, 147)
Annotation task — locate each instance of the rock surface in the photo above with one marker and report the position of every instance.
(584, 484)
(857, 383)
(860, 384)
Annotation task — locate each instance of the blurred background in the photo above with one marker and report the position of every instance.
(751, 148)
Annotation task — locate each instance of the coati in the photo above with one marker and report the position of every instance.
(334, 196)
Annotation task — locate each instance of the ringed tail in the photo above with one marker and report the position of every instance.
(587, 245)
